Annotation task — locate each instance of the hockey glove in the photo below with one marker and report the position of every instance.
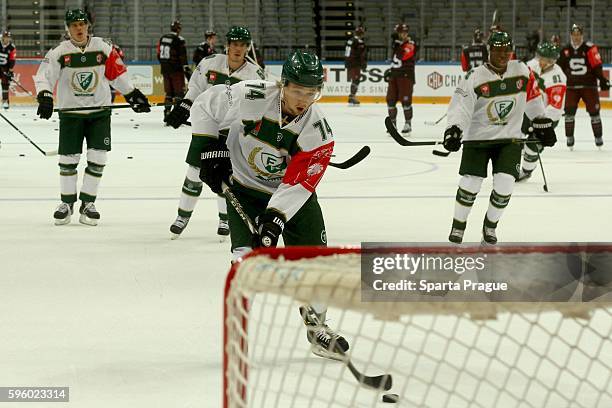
(179, 113)
(216, 167)
(187, 71)
(138, 101)
(452, 138)
(604, 84)
(9, 75)
(269, 227)
(45, 104)
(543, 130)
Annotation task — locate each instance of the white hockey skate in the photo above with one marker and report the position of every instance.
(5, 105)
(89, 214)
(488, 236)
(456, 235)
(407, 129)
(324, 341)
(62, 214)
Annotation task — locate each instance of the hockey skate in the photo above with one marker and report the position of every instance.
(599, 142)
(62, 214)
(223, 228)
(488, 235)
(5, 105)
(407, 129)
(456, 235)
(325, 342)
(524, 175)
(178, 226)
(89, 214)
(570, 142)
(352, 101)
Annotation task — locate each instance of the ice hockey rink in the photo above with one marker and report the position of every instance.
(126, 317)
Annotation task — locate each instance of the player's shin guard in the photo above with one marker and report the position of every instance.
(354, 88)
(597, 129)
(68, 177)
(503, 185)
(192, 188)
(393, 114)
(530, 160)
(223, 227)
(469, 186)
(569, 129)
(96, 160)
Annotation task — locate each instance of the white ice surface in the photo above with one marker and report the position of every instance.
(128, 318)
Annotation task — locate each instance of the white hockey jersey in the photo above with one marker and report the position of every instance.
(287, 162)
(553, 84)
(487, 106)
(214, 70)
(84, 75)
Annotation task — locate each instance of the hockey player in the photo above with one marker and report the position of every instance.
(206, 48)
(474, 55)
(582, 65)
(552, 83)
(401, 78)
(83, 68)
(355, 61)
(486, 112)
(213, 70)
(172, 56)
(8, 55)
(272, 143)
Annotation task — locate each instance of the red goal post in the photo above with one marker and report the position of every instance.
(458, 354)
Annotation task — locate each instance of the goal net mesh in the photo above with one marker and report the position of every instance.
(468, 354)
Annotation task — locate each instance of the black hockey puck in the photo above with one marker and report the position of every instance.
(55, 129)
(391, 398)
(130, 157)
(21, 155)
(135, 127)
(131, 120)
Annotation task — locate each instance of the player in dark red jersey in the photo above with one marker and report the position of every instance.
(475, 54)
(8, 54)
(355, 61)
(401, 77)
(582, 65)
(172, 55)
(205, 48)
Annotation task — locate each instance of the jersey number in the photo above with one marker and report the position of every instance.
(256, 91)
(396, 63)
(578, 66)
(556, 79)
(164, 51)
(323, 128)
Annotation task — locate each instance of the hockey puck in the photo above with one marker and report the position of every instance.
(130, 157)
(131, 120)
(135, 127)
(391, 398)
(21, 155)
(23, 114)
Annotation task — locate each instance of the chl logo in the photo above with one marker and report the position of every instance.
(435, 80)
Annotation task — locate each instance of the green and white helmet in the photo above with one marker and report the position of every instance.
(303, 68)
(238, 33)
(548, 50)
(75, 15)
(500, 39)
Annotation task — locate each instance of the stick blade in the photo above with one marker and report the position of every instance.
(394, 133)
(359, 156)
(439, 153)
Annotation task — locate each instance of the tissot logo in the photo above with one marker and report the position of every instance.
(435, 80)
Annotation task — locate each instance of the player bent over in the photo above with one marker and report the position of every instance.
(273, 144)
(552, 82)
(486, 112)
(212, 70)
(83, 68)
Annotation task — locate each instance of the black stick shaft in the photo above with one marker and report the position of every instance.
(109, 107)
(23, 134)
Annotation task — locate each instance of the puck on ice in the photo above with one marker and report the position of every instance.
(21, 155)
(130, 157)
(392, 398)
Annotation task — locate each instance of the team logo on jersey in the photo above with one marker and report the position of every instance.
(499, 110)
(67, 60)
(314, 169)
(268, 166)
(519, 84)
(212, 77)
(84, 83)
(485, 89)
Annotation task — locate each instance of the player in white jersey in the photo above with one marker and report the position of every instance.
(486, 112)
(279, 144)
(553, 84)
(83, 67)
(212, 70)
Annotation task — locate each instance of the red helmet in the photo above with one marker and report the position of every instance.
(175, 26)
(401, 28)
(359, 31)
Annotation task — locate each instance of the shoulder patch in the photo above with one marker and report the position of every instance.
(108, 41)
(211, 56)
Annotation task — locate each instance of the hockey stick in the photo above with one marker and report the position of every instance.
(357, 157)
(430, 123)
(402, 141)
(227, 192)
(22, 87)
(108, 107)
(51, 153)
(545, 186)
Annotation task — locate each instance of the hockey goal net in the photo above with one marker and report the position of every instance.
(459, 354)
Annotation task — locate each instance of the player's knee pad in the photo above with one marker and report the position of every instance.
(68, 164)
(240, 252)
(193, 174)
(96, 160)
(503, 183)
(469, 186)
(595, 118)
(407, 106)
(391, 103)
(570, 113)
